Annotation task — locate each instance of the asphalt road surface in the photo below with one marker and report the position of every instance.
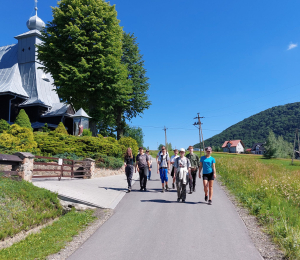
(153, 225)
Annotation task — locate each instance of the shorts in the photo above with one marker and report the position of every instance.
(172, 172)
(163, 174)
(208, 177)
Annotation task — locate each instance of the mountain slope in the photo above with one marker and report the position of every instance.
(282, 120)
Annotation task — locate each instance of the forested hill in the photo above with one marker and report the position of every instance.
(282, 120)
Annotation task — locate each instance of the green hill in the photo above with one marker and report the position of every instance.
(282, 120)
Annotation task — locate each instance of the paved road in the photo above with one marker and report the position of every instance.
(105, 192)
(152, 225)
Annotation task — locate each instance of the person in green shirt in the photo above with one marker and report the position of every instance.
(195, 163)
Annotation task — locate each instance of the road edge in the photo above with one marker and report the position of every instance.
(261, 240)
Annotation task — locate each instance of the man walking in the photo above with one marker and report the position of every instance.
(160, 153)
(182, 168)
(195, 163)
(163, 167)
(173, 175)
(143, 166)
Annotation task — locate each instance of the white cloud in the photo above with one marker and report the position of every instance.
(292, 46)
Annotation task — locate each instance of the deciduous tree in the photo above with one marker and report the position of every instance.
(82, 49)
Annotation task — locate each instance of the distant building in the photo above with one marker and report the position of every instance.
(233, 146)
(24, 86)
(258, 148)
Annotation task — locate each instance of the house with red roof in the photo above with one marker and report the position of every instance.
(233, 146)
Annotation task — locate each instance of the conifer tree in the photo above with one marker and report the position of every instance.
(4, 126)
(82, 49)
(61, 129)
(23, 120)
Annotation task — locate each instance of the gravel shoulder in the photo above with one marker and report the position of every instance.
(262, 241)
(102, 216)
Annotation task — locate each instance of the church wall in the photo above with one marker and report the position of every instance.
(34, 113)
(4, 107)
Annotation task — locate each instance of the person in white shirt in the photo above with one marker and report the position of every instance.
(173, 157)
(182, 170)
(160, 152)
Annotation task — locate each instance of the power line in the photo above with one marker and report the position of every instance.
(199, 124)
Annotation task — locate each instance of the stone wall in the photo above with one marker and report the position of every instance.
(102, 172)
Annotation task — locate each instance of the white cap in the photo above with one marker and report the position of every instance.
(182, 150)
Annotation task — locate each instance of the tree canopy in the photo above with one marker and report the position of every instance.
(135, 133)
(82, 49)
(282, 120)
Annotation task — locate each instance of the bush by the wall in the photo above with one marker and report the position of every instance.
(61, 129)
(4, 126)
(104, 161)
(23, 120)
(18, 139)
(55, 143)
(87, 132)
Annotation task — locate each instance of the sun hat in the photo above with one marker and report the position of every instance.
(141, 148)
(208, 149)
(182, 150)
(147, 151)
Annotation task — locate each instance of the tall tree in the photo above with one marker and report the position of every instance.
(138, 98)
(82, 49)
(135, 133)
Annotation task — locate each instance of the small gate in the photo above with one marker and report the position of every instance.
(60, 168)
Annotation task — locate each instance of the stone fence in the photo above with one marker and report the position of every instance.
(27, 168)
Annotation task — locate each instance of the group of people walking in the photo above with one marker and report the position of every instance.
(184, 170)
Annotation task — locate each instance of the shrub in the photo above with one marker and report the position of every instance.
(18, 139)
(104, 161)
(61, 129)
(45, 128)
(87, 132)
(23, 120)
(4, 126)
(129, 142)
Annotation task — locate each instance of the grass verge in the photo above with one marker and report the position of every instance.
(51, 239)
(271, 191)
(23, 206)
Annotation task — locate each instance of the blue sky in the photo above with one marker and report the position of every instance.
(227, 60)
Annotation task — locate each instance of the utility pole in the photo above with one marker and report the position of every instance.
(165, 129)
(199, 124)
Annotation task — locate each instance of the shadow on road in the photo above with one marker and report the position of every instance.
(169, 201)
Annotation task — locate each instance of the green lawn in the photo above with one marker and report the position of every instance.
(50, 240)
(22, 206)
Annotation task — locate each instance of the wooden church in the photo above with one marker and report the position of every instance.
(24, 86)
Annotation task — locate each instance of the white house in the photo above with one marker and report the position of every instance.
(233, 146)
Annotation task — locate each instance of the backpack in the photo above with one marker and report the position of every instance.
(162, 159)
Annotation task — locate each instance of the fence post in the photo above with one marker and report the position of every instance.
(26, 168)
(92, 167)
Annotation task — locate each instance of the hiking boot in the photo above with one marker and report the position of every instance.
(167, 188)
(173, 185)
(178, 200)
(129, 190)
(163, 190)
(141, 189)
(183, 201)
(209, 202)
(206, 198)
(145, 189)
(194, 190)
(190, 192)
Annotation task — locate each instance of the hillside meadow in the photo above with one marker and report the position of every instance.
(270, 189)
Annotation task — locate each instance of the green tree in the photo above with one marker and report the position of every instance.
(61, 129)
(23, 120)
(138, 99)
(271, 146)
(86, 132)
(45, 128)
(82, 49)
(169, 147)
(4, 126)
(136, 133)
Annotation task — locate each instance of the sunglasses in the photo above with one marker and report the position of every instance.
(163, 149)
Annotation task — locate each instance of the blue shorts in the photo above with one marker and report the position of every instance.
(163, 174)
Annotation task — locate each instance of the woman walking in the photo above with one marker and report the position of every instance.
(208, 164)
(129, 162)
